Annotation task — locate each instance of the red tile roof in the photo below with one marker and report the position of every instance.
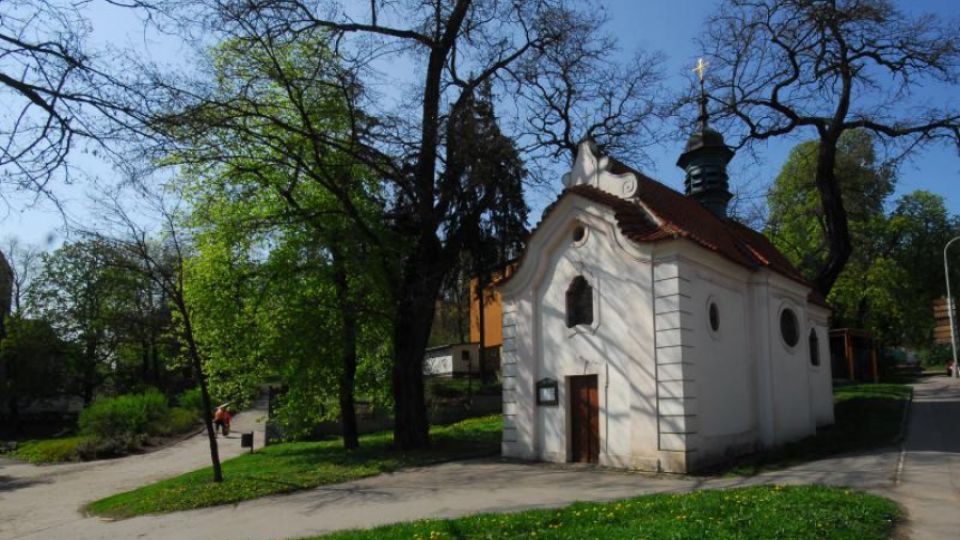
(678, 216)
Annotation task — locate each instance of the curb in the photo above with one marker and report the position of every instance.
(902, 434)
(902, 439)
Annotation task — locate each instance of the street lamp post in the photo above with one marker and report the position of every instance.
(953, 323)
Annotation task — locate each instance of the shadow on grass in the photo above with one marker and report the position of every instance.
(301, 465)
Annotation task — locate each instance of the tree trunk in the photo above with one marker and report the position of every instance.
(348, 353)
(155, 361)
(482, 324)
(88, 384)
(86, 393)
(204, 393)
(208, 421)
(145, 362)
(834, 214)
(417, 293)
(14, 405)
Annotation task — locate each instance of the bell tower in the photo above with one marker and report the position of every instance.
(705, 160)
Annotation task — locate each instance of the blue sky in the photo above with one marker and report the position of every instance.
(667, 26)
(671, 27)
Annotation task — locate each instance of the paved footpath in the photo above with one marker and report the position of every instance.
(43, 501)
(928, 482)
(461, 488)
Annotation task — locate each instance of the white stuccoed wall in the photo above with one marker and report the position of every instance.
(438, 362)
(820, 377)
(448, 361)
(723, 366)
(745, 389)
(618, 347)
(792, 411)
(673, 394)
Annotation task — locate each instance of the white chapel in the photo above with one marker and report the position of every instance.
(645, 329)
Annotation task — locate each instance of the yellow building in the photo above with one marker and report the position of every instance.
(492, 327)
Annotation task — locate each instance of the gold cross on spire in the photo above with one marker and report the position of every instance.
(701, 68)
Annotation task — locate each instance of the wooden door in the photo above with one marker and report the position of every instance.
(585, 419)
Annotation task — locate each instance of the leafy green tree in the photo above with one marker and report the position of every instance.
(33, 364)
(161, 260)
(300, 285)
(919, 227)
(419, 230)
(895, 270)
(120, 321)
(796, 221)
(289, 301)
(77, 293)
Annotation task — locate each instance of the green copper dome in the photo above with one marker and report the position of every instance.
(705, 159)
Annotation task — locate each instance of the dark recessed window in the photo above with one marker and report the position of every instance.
(714, 313)
(578, 233)
(814, 348)
(789, 328)
(579, 302)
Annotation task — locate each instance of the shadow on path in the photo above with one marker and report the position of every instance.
(12, 483)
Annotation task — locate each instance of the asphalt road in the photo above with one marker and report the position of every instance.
(928, 482)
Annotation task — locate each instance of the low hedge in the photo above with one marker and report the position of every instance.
(126, 416)
(178, 420)
(118, 425)
(112, 427)
(191, 400)
(49, 450)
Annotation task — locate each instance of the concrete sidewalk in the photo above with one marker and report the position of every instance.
(44, 500)
(928, 483)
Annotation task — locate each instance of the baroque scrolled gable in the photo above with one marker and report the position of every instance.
(593, 169)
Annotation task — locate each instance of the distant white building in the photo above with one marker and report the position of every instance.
(645, 329)
(456, 360)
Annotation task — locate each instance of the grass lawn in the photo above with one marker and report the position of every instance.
(293, 466)
(53, 450)
(866, 416)
(762, 512)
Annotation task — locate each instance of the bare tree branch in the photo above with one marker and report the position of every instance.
(831, 66)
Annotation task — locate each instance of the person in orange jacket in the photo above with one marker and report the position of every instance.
(221, 419)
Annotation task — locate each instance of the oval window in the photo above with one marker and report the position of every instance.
(789, 327)
(714, 313)
(578, 233)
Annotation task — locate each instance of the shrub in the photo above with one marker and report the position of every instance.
(178, 420)
(935, 356)
(191, 400)
(99, 448)
(124, 418)
(49, 450)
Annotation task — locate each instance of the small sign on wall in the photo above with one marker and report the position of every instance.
(547, 392)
